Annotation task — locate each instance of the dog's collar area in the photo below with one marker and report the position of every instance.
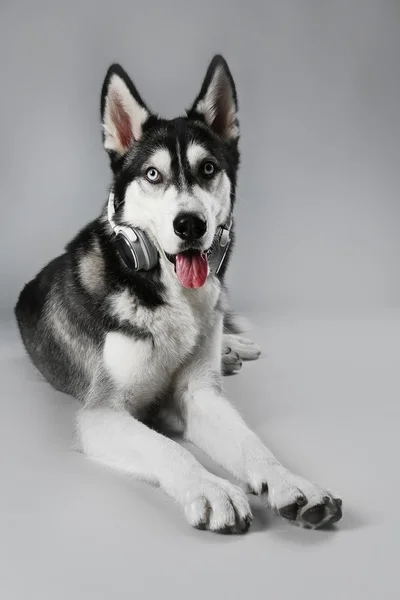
(144, 253)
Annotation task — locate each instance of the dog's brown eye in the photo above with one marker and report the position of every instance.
(153, 175)
(208, 169)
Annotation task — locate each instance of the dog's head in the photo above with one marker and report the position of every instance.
(174, 179)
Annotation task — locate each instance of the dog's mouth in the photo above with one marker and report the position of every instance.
(191, 267)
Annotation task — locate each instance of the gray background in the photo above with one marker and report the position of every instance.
(317, 260)
(319, 89)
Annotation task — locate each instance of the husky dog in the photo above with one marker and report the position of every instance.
(133, 318)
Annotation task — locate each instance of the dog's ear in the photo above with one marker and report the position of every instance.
(217, 103)
(123, 112)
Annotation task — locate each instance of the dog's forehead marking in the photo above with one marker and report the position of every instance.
(195, 153)
(161, 160)
(181, 177)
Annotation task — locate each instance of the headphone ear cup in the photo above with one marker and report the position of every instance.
(149, 254)
(126, 251)
(135, 249)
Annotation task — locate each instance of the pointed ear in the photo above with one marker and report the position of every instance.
(217, 102)
(123, 112)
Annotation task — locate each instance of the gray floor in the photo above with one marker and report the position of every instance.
(326, 399)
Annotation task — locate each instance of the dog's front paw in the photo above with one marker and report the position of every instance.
(236, 349)
(300, 501)
(218, 505)
(245, 348)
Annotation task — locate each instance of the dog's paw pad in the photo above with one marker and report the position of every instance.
(302, 502)
(291, 511)
(314, 515)
(327, 513)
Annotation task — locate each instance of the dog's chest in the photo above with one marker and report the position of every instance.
(175, 330)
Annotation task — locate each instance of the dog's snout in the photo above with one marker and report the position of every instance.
(189, 226)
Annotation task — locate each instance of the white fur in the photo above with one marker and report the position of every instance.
(148, 366)
(195, 154)
(176, 326)
(125, 358)
(161, 160)
(124, 307)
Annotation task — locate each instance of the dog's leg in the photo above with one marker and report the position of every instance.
(110, 434)
(216, 427)
(118, 440)
(235, 347)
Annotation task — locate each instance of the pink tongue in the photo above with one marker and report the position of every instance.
(192, 269)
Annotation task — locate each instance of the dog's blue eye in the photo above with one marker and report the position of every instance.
(208, 169)
(153, 175)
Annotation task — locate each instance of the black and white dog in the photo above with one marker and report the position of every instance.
(133, 318)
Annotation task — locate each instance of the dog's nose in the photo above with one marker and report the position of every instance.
(189, 227)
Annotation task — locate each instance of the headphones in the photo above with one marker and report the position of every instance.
(138, 252)
(220, 246)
